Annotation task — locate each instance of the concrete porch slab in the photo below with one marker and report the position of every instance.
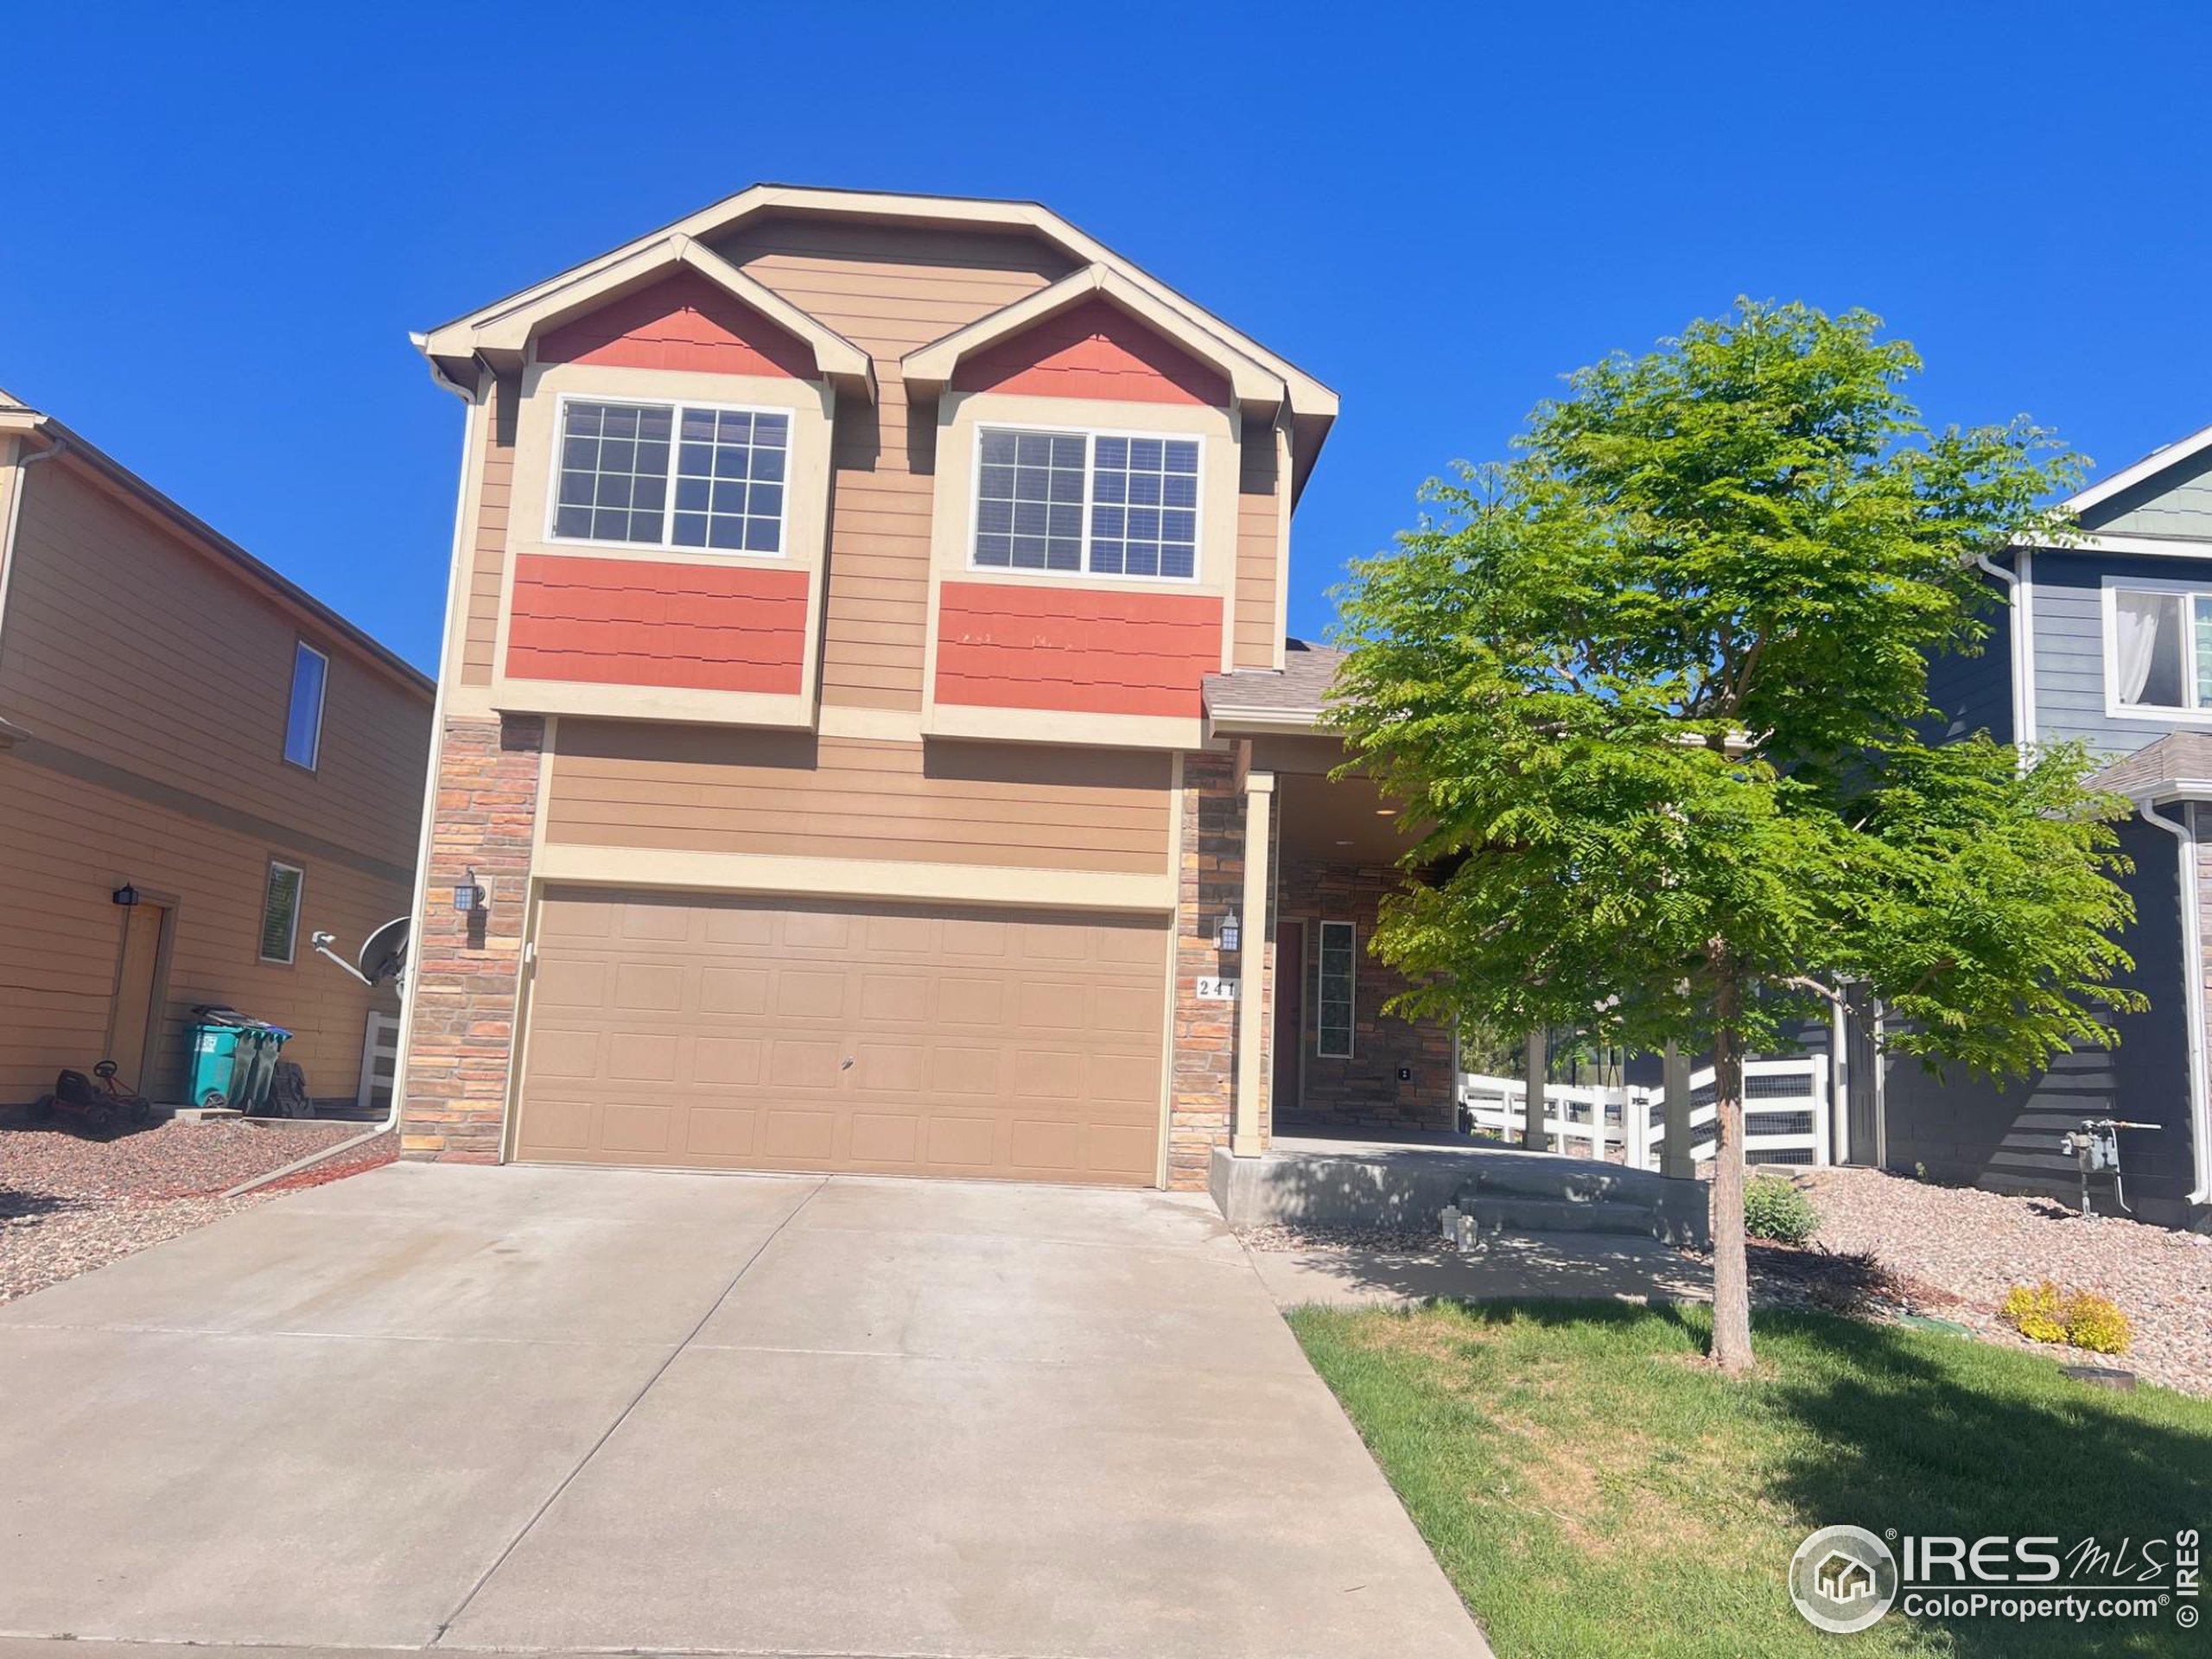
(1404, 1183)
(1568, 1265)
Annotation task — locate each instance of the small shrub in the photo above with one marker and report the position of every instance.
(2095, 1322)
(2081, 1319)
(1775, 1208)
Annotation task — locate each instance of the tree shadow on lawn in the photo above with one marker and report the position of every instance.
(1928, 1433)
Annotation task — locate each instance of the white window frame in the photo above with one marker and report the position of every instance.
(314, 762)
(1089, 435)
(667, 543)
(1352, 991)
(299, 903)
(2108, 650)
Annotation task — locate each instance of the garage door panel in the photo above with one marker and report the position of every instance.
(727, 1032)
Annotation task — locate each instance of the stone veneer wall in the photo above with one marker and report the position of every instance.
(1203, 1087)
(1365, 1092)
(467, 969)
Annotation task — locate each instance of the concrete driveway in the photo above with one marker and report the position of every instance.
(552, 1409)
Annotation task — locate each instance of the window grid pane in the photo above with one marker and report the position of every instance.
(1029, 500)
(1144, 518)
(613, 471)
(730, 471)
(303, 719)
(1333, 992)
(280, 913)
(2201, 624)
(2150, 661)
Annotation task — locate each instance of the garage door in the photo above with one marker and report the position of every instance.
(747, 1033)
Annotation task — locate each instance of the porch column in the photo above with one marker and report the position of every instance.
(1244, 1138)
(1535, 1135)
(1674, 1159)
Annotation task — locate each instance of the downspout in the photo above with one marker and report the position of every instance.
(472, 436)
(2020, 593)
(2192, 958)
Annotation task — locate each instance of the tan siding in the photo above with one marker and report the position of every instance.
(732, 792)
(127, 644)
(1258, 550)
(495, 508)
(888, 288)
(71, 844)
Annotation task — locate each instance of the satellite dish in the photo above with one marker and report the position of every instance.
(384, 953)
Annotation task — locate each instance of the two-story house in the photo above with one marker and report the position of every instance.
(868, 740)
(201, 767)
(2105, 641)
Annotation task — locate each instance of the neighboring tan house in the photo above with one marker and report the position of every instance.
(2107, 641)
(181, 726)
(868, 720)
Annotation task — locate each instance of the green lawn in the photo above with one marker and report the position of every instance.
(1592, 1489)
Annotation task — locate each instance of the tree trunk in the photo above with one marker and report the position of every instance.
(1534, 1135)
(1731, 1293)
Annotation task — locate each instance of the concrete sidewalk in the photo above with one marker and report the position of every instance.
(544, 1409)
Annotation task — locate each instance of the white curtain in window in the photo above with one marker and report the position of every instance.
(2137, 616)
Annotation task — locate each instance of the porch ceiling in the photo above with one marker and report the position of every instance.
(1343, 822)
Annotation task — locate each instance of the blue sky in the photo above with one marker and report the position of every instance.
(221, 222)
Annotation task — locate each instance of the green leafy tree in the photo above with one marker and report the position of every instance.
(1653, 692)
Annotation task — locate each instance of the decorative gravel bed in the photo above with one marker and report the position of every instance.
(1890, 1246)
(1965, 1243)
(69, 1203)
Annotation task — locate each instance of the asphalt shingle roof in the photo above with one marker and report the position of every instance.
(1297, 687)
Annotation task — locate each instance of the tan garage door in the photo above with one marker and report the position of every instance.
(750, 1033)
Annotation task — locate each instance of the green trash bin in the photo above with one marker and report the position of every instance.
(214, 1044)
(260, 1043)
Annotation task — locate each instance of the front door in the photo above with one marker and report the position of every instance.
(137, 988)
(1290, 1017)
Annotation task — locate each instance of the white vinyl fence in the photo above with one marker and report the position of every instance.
(1785, 1114)
(380, 1054)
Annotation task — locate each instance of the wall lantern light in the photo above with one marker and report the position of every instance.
(470, 894)
(126, 895)
(1227, 935)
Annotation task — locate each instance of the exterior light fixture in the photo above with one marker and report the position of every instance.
(471, 895)
(1227, 934)
(126, 895)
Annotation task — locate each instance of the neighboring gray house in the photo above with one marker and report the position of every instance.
(2108, 641)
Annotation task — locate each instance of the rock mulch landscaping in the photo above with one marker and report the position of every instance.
(69, 1203)
(1972, 1246)
(1890, 1246)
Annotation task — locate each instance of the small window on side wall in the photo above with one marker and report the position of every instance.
(1335, 966)
(304, 721)
(280, 910)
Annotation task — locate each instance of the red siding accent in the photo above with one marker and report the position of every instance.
(684, 323)
(1074, 649)
(1097, 350)
(700, 627)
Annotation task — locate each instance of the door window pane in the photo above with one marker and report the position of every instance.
(1333, 991)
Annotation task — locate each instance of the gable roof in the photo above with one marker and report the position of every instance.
(930, 368)
(451, 347)
(19, 417)
(2163, 459)
(500, 333)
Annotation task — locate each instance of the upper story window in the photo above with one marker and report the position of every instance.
(1103, 503)
(303, 719)
(2160, 647)
(672, 475)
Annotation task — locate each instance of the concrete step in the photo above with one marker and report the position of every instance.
(1586, 1180)
(1494, 1213)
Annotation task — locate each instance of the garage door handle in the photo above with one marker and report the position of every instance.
(848, 1066)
